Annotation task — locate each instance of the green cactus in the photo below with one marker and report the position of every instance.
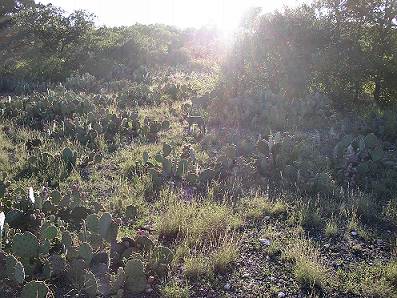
(25, 245)
(161, 259)
(159, 157)
(206, 175)
(92, 222)
(118, 280)
(57, 265)
(144, 243)
(10, 262)
(145, 157)
(191, 178)
(163, 255)
(370, 140)
(50, 233)
(167, 167)
(69, 157)
(376, 154)
(157, 178)
(104, 224)
(95, 240)
(35, 289)
(131, 212)
(56, 197)
(107, 228)
(165, 125)
(19, 273)
(45, 247)
(135, 276)
(48, 207)
(67, 239)
(85, 252)
(76, 272)
(90, 284)
(167, 149)
(182, 168)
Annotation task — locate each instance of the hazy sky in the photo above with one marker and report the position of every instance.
(225, 14)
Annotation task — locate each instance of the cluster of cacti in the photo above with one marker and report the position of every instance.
(54, 252)
(359, 156)
(164, 166)
(65, 114)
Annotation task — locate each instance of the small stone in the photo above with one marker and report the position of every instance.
(149, 290)
(245, 275)
(281, 295)
(267, 217)
(354, 233)
(265, 241)
(227, 286)
(326, 245)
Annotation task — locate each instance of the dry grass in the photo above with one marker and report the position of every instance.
(196, 223)
(309, 269)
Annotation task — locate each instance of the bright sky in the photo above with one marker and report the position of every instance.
(225, 14)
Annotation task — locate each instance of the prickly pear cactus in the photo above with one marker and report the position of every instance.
(167, 167)
(160, 261)
(131, 212)
(166, 149)
(136, 280)
(14, 269)
(119, 280)
(182, 168)
(90, 284)
(76, 272)
(163, 255)
(44, 247)
(50, 232)
(67, 239)
(69, 157)
(35, 289)
(85, 252)
(92, 222)
(144, 243)
(19, 273)
(57, 265)
(10, 266)
(25, 245)
(104, 224)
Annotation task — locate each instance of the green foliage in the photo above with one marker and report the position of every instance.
(35, 289)
(135, 276)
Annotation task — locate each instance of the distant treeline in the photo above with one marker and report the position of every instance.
(346, 49)
(41, 43)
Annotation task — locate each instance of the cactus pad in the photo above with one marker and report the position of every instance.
(35, 289)
(25, 245)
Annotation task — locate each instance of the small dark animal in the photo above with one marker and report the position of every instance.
(196, 120)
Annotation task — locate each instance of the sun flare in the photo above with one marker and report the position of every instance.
(221, 14)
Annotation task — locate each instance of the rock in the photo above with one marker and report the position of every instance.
(281, 295)
(245, 275)
(227, 286)
(265, 241)
(267, 217)
(354, 233)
